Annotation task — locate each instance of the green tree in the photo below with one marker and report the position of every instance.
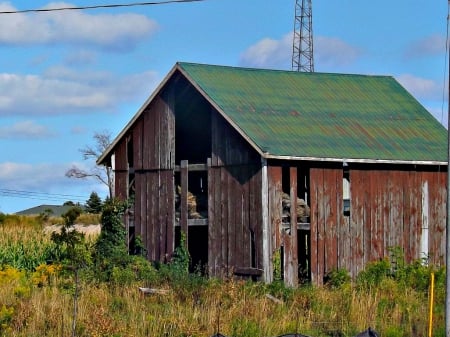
(111, 249)
(73, 253)
(94, 204)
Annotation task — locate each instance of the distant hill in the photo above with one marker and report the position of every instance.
(54, 210)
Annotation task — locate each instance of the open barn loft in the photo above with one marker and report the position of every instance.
(281, 174)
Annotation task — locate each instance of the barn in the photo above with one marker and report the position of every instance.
(280, 174)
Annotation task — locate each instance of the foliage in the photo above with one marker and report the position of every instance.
(276, 260)
(181, 259)
(72, 250)
(45, 274)
(374, 273)
(110, 250)
(6, 316)
(94, 204)
(337, 278)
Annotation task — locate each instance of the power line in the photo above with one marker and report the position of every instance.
(40, 195)
(134, 4)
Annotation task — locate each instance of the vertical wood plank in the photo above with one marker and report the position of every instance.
(138, 213)
(153, 212)
(274, 206)
(218, 220)
(137, 144)
(224, 220)
(316, 179)
(184, 181)
(332, 182)
(231, 232)
(170, 215)
(212, 226)
(290, 240)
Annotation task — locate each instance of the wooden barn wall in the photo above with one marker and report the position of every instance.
(282, 239)
(329, 233)
(234, 203)
(121, 170)
(153, 163)
(387, 210)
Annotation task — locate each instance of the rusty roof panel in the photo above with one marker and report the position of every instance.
(323, 115)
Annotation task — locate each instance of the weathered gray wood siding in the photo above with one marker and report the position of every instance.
(234, 203)
(152, 136)
(330, 239)
(121, 170)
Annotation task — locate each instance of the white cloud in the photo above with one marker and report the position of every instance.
(332, 52)
(421, 88)
(25, 130)
(428, 46)
(108, 31)
(81, 57)
(272, 53)
(61, 90)
(269, 53)
(37, 180)
(22, 176)
(78, 130)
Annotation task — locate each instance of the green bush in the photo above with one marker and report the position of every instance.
(337, 278)
(374, 273)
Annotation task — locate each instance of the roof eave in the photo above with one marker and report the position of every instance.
(357, 160)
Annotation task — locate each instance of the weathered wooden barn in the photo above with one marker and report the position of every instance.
(282, 173)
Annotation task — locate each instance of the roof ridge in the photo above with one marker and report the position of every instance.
(251, 69)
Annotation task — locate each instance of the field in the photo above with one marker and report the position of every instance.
(37, 298)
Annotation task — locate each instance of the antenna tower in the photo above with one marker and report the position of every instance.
(302, 47)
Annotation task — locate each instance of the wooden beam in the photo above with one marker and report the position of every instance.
(192, 167)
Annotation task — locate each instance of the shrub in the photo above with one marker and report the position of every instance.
(374, 273)
(337, 278)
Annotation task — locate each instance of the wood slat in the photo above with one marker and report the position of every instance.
(332, 182)
(184, 181)
(138, 144)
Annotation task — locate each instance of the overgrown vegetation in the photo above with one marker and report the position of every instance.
(37, 292)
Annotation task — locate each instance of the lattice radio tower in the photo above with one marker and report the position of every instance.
(302, 47)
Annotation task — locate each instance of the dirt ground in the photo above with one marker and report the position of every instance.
(86, 229)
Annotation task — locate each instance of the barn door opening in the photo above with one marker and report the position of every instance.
(298, 252)
(191, 212)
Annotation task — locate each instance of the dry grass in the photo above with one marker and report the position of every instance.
(198, 307)
(238, 309)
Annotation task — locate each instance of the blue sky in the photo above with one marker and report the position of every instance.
(65, 75)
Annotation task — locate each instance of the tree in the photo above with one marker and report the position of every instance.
(102, 173)
(73, 253)
(110, 249)
(94, 204)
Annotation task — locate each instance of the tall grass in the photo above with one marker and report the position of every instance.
(235, 308)
(38, 302)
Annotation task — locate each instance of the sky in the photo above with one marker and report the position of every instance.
(66, 75)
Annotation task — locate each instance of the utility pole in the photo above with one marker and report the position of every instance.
(302, 47)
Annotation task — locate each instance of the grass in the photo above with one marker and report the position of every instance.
(37, 301)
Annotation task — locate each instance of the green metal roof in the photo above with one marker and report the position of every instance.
(322, 115)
